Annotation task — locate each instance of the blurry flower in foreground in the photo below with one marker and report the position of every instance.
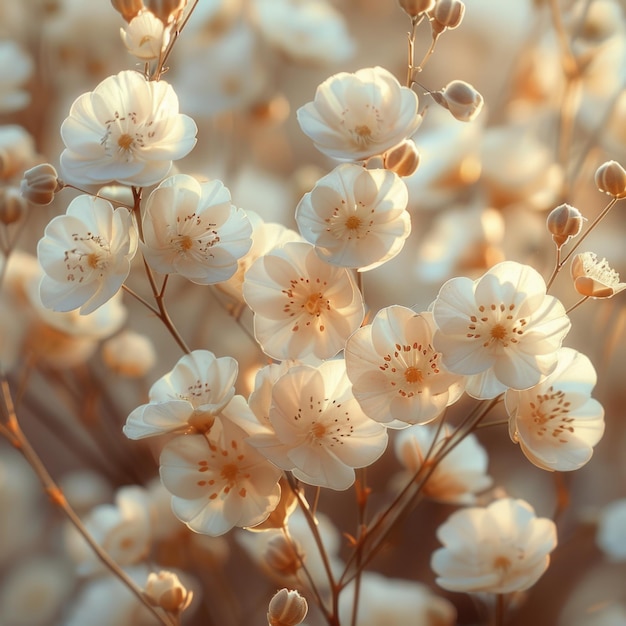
(86, 255)
(498, 549)
(557, 423)
(611, 533)
(502, 330)
(17, 150)
(218, 481)
(593, 278)
(320, 432)
(286, 608)
(356, 217)
(129, 354)
(396, 373)
(457, 478)
(193, 229)
(302, 305)
(127, 130)
(16, 67)
(356, 116)
(144, 36)
(188, 397)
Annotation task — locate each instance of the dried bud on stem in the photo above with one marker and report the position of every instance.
(446, 14)
(128, 8)
(40, 183)
(461, 99)
(283, 555)
(610, 178)
(415, 8)
(403, 159)
(286, 608)
(12, 205)
(166, 591)
(563, 223)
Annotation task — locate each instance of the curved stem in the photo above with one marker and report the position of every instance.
(575, 306)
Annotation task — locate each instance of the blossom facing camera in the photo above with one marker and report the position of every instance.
(86, 254)
(461, 99)
(557, 423)
(594, 278)
(357, 116)
(610, 178)
(127, 130)
(501, 548)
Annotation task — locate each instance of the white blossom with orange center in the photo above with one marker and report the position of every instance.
(320, 432)
(85, 255)
(188, 398)
(127, 130)
(360, 115)
(193, 229)
(356, 217)
(501, 330)
(501, 548)
(217, 480)
(302, 305)
(396, 374)
(557, 422)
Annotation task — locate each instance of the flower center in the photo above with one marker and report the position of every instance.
(496, 325)
(550, 415)
(353, 222)
(318, 430)
(502, 563)
(498, 332)
(363, 134)
(229, 472)
(413, 375)
(125, 141)
(183, 243)
(314, 303)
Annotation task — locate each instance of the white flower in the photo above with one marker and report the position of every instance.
(502, 329)
(129, 354)
(498, 549)
(218, 480)
(127, 130)
(396, 374)
(86, 255)
(593, 278)
(360, 115)
(611, 532)
(187, 398)
(311, 31)
(145, 36)
(458, 476)
(557, 422)
(302, 305)
(320, 432)
(192, 229)
(16, 67)
(356, 217)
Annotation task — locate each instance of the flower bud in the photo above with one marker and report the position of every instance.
(593, 278)
(461, 99)
(287, 608)
(12, 205)
(127, 8)
(403, 159)
(446, 14)
(563, 223)
(167, 592)
(610, 178)
(129, 354)
(278, 517)
(414, 8)
(283, 555)
(40, 183)
(167, 11)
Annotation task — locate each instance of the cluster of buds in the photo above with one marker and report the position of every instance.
(563, 223)
(286, 608)
(446, 15)
(461, 99)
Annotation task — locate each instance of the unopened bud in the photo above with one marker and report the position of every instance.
(40, 183)
(287, 608)
(283, 555)
(167, 11)
(446, 14)
(12, 205)
(414, 8)
(563, 223)
(278, 517)
(129, 354)
(167, 592)
(461, 99)
(128, 9)
(610, 178)
(403, 159)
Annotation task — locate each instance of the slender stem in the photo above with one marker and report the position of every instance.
(97, 195)
(500, 609)
(415, 21)
(575, 306)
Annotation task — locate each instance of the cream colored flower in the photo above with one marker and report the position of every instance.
(145, 36)
(593, 278)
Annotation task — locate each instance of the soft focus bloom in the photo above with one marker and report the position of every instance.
(320, 432)
(557, 422)
(127, 130)
(356, 217)
(164, 589)
(502, 329)
(129, 354)
(356, 116)
(593, 278)
(396, 373)
(218, 480)
(286, 608)
(313, 32)
(188, 397)
(498, 549)
(86, 254)
(193, 229)
(16, 67)
(17, 150)
(457, 477)
(145, 36)
(611, 532)
(302, 305)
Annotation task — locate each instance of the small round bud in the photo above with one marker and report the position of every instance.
(414, 8)
(128, 9)
(610, 178)
(129, 354)
(167, 592)
(12, 205)
(563, 223)
(167, 11)
(446, 14)
(283, 555)
(287, 608)
(40, 183)
(461, 99)
(403, 159)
